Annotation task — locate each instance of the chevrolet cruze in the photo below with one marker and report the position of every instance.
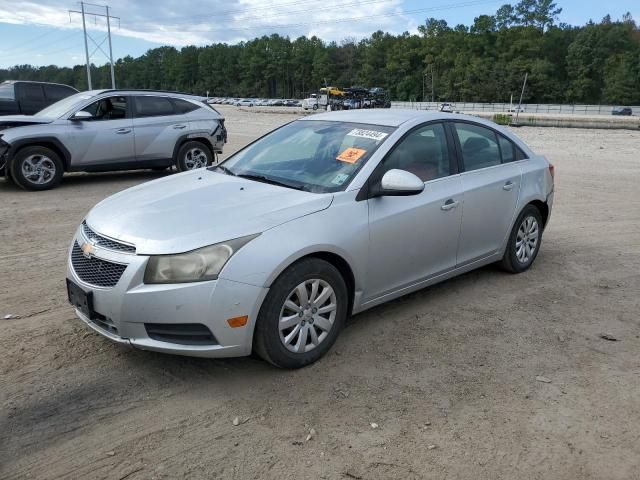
(327, 216)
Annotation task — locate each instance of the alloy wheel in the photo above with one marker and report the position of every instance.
(307, 316)
(195, 158)
(527, 239)
(38, 169)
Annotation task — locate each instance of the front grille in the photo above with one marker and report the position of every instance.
(181, 333)
(105, 242)
(95, 271)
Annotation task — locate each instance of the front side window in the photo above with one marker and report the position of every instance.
(423, 152)
(312, 155)
(31, 92)
(111, 108)
(148, 106)
(479, 146)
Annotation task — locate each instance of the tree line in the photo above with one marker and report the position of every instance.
(484, 62)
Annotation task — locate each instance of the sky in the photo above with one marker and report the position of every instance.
(44, 32)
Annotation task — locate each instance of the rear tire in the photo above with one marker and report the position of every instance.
(524, 241)
(36, 168)
(302, 315)
(193, 155)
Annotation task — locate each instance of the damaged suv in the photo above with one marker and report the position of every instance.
(108, 130)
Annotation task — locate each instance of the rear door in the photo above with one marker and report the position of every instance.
(491, 186)
(30, 97)
(158, 124)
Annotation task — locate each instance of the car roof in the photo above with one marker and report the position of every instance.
(149, 92)
(388, 117)
(12, 82)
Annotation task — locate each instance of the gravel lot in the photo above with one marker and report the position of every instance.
(448, 374)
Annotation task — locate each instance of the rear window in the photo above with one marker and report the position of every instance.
(7, 91)
(153, 106)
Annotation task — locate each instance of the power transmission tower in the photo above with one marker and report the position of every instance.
(106, 15)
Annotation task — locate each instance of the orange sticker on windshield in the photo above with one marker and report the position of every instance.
(351, 155)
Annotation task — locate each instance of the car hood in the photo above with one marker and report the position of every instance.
(199, 208)
(19, 120)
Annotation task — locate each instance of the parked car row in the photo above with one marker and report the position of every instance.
(255, 102)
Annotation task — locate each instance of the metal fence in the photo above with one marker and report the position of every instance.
(526, 108)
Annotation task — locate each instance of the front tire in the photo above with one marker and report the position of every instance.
(37, 168)
(302, 315)
(524, 241)
(193, 155)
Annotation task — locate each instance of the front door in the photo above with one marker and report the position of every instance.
(413, 238)
(107, 138)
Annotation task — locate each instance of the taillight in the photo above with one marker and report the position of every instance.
(552, 170)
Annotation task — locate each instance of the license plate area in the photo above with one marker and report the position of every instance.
(80, 299)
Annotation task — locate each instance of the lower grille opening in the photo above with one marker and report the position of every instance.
(181, 333)
(104, 323)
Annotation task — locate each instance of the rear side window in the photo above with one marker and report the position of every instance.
(479, 146)
(507, 149)
(153, 106)
(57, 92)
(182, 106)
(520, 155)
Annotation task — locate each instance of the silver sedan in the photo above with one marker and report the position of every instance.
(322, 218)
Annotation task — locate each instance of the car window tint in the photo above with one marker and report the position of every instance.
(423, 152)
(182, 106)
(507, 149)
(111, 108)
(57, 92)
(31, 92)
(148, 106)
(520, 155)
(479, 146)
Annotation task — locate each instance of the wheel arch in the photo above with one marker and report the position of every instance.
(542, 207)
(51, 143)
(188, 138)
(335, 259)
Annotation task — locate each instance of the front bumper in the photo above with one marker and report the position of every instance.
(125, 311)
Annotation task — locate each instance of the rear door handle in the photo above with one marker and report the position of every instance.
(449, 205)
(508, 186)
(179, 127)
(122, 131)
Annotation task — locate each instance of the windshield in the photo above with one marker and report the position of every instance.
(312, 155)
(7, 91)
(63, 106)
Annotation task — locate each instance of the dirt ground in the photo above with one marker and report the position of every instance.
(448, 374)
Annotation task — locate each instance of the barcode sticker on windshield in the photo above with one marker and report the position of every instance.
(371, 134)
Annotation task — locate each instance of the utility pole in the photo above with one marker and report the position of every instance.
(524, 84)
(432, 85)
(86, 47)
(87, 37)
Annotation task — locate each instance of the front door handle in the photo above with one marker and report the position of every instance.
(508, 186)
(122, 131)
(449, 205)
(179, 127)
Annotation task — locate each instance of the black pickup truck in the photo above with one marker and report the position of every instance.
(19, 97)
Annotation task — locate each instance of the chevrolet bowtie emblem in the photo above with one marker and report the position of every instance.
(88, 249)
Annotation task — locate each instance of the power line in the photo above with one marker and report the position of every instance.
(21, 52)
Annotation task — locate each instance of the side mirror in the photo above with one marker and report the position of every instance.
(399, 183)
(81, 115)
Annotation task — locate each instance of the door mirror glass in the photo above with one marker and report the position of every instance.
(398, 182)
(82, 115)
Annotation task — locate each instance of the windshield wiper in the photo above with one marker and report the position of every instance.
(225, 170)
(271, 181)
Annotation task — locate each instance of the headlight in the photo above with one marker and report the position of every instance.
(195, 266)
